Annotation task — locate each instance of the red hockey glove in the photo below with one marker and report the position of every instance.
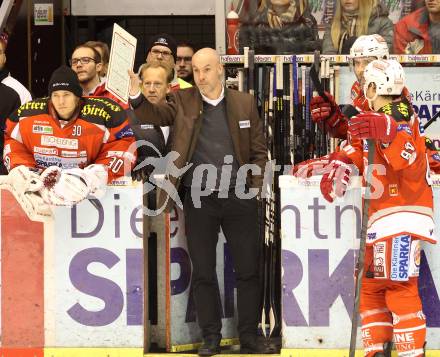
(337, 177)
(369, 125)
(325, 111)
(310, 167)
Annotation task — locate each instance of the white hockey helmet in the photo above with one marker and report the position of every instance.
(369, 46)
(387, 75)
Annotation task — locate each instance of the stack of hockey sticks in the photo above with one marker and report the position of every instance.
(283, 91)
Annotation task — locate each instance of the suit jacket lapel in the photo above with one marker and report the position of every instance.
(233, 119)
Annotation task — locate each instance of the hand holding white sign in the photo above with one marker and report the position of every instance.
(122, 54)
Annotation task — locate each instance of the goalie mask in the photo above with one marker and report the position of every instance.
(388, 77)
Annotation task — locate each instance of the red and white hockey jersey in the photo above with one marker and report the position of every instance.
(100, 134)
(361, 104)
(402, 198)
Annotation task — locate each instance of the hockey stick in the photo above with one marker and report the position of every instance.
(251, 68)
(276, 145)
(291, 140)
(269, 102)
(430, 121)
(246, 68)
(361, 254)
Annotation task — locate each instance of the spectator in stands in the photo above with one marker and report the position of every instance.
(354, 18)
(156, 80)
(280, 26)
(103, 50)
(163, 47)
(87, 64)
(185, 51)
(419, 32)
(12, 94)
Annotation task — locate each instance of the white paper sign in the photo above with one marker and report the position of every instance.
(122, 55)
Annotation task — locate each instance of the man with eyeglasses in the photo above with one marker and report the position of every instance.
(185, 51)
(86, 62)
(12, 94)
(155, 84)
(163, 48)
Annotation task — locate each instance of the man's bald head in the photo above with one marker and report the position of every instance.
(208, 72)
(207, 55)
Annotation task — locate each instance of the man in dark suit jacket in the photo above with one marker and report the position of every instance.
(218, 135)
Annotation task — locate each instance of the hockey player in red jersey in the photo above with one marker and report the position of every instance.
(400, 213)
(327, 114)
(66, 146)
(329, 117)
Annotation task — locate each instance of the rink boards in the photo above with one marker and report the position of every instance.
(73, 287)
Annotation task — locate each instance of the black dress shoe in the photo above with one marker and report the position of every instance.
(210, 346)
(253, 346)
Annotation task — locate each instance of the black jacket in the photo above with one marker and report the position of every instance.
(299, 36)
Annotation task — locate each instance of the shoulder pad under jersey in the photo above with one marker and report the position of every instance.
(400, 110)
(104, 111)
(31, 108)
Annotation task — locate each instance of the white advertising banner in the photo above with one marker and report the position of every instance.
(318, 257)
(93, 277)
(94, 273)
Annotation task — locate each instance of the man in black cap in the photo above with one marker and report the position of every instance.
(66, 146)
(163, 47)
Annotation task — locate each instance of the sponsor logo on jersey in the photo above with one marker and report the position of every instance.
(65, 163)
(62, 143)
(45, 151)
(108, 103)
(404, 127)
(348, 149)
(32, 106)
(400, 258)
(393, 190)
(115, 153)
(380, 266)
(371, 236)
(95, 111)
(69, 153)
(124, 132)
(365, 142)
(42, 129)
(404, 341)
(415, 257)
